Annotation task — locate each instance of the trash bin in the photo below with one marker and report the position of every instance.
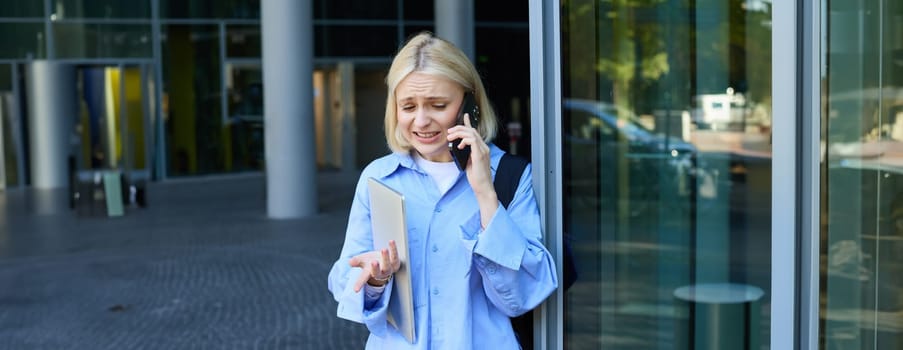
(718, 316)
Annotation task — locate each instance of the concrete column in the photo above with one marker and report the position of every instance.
(287, 28)
(52, 111)
(455, 23)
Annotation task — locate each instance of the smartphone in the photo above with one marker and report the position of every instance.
(470, 108)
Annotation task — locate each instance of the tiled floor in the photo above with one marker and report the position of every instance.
(200, 268)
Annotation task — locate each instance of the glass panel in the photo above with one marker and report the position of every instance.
(501, 11)
(419, 10)
(243, 41)
(245, 86)
(667, 173)
(64, 9)
(333, 41)
(6, 78)
(9, 168)
(507, 83)
(79, 40)
(19, 8)
(355, 9)
(112, 135)
(22, 40)
(412, 30)
(196, 139)
(235, 9)
(862, 195)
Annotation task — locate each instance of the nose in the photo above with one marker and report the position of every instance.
(422, 118)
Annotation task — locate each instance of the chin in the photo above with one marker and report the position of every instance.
(433, 152)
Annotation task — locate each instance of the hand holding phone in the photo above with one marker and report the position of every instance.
(468, 107)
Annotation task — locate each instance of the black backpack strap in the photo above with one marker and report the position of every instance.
(507, 177)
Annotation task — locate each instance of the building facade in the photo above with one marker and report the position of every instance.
(723, 173)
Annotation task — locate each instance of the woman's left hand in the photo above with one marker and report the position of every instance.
(478, 172)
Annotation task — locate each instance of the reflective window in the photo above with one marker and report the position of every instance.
(243, 41)
(505, 72)
(237, 9)
(79, 40)
(197, 138)
(22, 40)
(19, 8)
(666, 135)
(500, 11)
(244, 84)
(8, 135)
(64, 9)
(419, 10)
(412, 30)
(113, 123)
(6, 77)
(862, 176)
(355, 9)
(366, 41)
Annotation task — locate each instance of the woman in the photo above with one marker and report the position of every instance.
(473, 263)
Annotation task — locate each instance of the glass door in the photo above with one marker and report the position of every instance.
(862, 176)
(12, 131)
(244, 89)
(114, 126)
(9, 162)
(666, 129)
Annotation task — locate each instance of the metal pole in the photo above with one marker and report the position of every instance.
(48, 30)
(146, 123)
(159, 158)
(223, 91)
(124, 138)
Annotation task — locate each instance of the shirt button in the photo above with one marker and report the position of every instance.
(438, 210)
(435, 291)
(435, 249)
(491, 269)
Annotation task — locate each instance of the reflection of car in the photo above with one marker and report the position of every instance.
(604, 144)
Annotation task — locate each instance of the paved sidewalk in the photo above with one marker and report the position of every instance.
(200, 268)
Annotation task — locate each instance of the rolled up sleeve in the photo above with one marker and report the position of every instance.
(517, 270)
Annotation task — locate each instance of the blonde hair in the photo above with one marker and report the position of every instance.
(426, 53)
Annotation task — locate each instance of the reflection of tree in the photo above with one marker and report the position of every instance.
(635, 46)
(626, 48)
(646, 53)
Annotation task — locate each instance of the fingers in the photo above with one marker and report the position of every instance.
(384, 267)
(355, 261)
(468, 135)
(393, 256)
(376, 264)
(362, 278)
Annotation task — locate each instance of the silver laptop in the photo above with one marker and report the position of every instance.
(387, 218)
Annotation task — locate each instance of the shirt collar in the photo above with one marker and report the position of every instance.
(405, 160)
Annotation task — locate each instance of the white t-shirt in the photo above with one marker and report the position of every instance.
(443, 174)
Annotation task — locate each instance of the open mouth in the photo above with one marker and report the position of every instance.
(425, 134)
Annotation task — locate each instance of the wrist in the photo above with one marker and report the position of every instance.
(377, 282)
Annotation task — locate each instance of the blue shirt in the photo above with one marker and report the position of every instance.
(467, 281)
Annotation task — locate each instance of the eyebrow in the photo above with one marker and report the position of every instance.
(429, 98)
